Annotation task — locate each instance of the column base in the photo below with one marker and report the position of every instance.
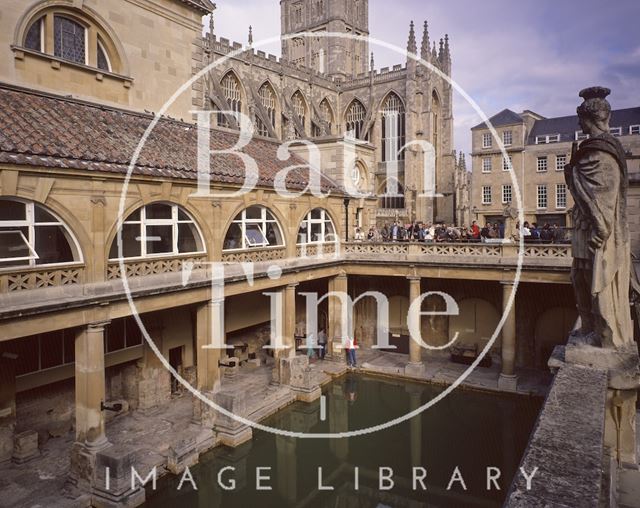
(414, 369)
(508, 382)
(118, 493)
(82, 473)
(235, 437)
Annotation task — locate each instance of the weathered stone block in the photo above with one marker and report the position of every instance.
(112, 488)
(182, 455)
(25, 447)
(230, 431)
(622, 365)
(6, 441)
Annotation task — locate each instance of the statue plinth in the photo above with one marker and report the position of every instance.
(622, 366)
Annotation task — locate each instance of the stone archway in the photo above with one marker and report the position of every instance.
(475, 323)
(552, 329)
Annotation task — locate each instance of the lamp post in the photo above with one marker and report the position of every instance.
(346, 217)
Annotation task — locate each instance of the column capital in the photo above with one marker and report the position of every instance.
(292, 285)
(414, 278)
(508, 283)
(98, 325)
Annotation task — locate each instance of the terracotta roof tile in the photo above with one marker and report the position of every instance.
(45, 130)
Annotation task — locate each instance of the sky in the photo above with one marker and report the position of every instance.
(524, 54)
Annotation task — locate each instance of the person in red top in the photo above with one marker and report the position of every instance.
(475, 231)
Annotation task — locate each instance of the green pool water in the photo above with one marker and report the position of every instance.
(467, 430)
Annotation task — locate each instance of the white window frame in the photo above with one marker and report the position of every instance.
(487, 168)
(86, 36)
(507, 164)
(322, 221)
(615, 131)
(174, 222)
(30, 223)
(508, 134)
(260, 223)
(547, 138)
(487, 140)
(542, 196)
(581, 136)
(106, 55)
(486, 193)
(634, 129)
(558, 166)
(558, 187)
(507, 190)
(540, 159)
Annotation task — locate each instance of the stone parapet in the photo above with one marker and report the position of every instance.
(567, 446)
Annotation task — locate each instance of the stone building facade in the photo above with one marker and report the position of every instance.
(326, 89)
(70, 342)
(538, 150)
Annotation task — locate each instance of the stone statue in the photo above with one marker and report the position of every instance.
(597, 179)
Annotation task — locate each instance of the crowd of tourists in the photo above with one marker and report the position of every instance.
(441, 232)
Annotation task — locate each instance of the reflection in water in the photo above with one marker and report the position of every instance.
(468, 430)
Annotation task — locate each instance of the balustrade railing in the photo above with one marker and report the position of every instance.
(254, 255)
(152, 266)
(37, 278)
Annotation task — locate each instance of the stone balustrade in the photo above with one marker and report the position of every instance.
(38, 278)
(540, 255)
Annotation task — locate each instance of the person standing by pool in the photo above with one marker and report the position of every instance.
(322, 342)
(350, 346)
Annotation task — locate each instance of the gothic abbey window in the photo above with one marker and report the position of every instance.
(231, 89)
(32, 236)
(299, 106)
(268, 101)
(71, 33)
(393, 128)
(326, 115)
(158, 230)
(316, 227)
(354, 120)
(254, 227)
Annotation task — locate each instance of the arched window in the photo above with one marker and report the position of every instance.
(252, 228)
(354, 120)
(231, 89)
(317, 227)
(103, 57)
(35, 36)
(32, 236)
(268, 101)
(435, 126)
(299, 106)
(159, 230)
(326, 117)
(76, 38)
(393, 128)
(391, 199)
(69, 39)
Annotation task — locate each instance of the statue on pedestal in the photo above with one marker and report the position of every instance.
(597, 179)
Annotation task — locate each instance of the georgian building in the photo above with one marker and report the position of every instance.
(538, 149)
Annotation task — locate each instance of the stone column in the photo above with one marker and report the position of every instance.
(7, 404)
(90, 394)
(508, 379)
(90, 386)
(289, 313)
(335, 332)
(415, 365)
(154, 382)
(207, 361)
